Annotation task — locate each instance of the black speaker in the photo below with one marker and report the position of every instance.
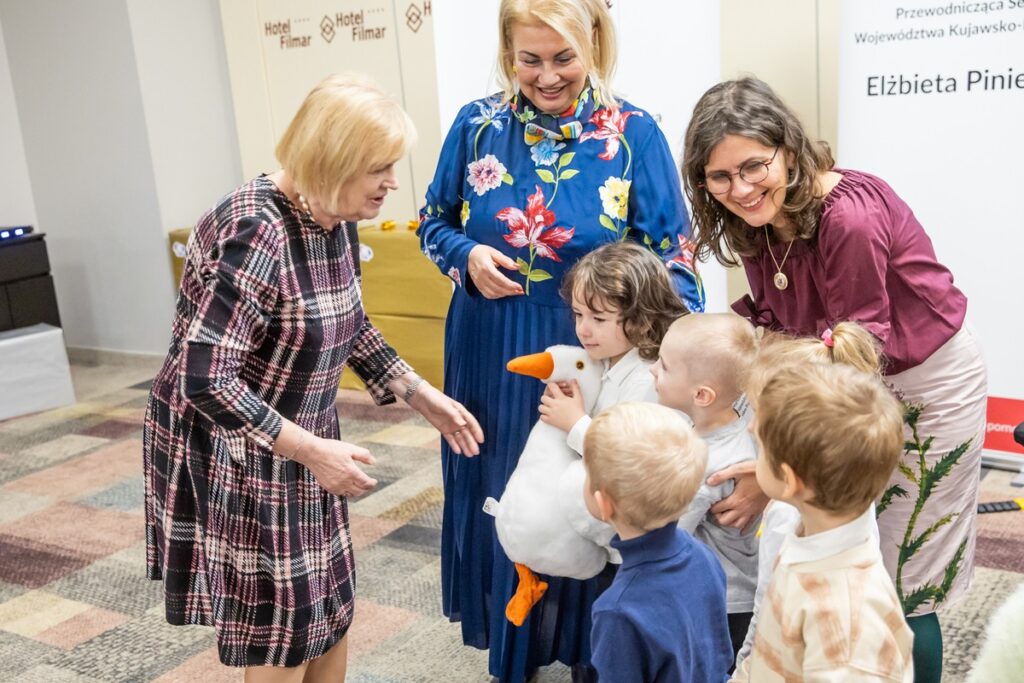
(33, 301)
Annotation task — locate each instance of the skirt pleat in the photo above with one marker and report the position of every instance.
(477, 577)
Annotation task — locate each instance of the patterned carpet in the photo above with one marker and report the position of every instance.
(75, 606)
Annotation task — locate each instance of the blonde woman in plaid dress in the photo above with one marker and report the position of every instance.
(246, 478)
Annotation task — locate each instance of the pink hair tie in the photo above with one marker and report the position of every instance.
(826, 337)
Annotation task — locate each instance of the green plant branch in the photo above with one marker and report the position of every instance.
(926, 480)
(476, 154)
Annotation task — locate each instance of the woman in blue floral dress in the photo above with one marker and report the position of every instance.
(528, 182)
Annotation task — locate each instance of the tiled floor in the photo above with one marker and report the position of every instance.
(74, 603)
(93, 379)
(75, 606)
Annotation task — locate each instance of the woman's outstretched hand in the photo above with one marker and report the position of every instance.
(456, 424)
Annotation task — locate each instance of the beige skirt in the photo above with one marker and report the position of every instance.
(926, 518)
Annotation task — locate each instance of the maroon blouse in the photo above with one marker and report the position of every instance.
(870, 262)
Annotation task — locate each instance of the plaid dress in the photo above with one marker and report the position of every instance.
(246, 541)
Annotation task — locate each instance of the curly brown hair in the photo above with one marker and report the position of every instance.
(633, 280)
(750, 108)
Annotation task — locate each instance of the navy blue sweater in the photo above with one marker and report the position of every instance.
(663, 618)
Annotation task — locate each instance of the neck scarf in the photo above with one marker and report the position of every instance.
(567, 125)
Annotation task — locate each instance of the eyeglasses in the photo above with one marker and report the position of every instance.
(751, 172)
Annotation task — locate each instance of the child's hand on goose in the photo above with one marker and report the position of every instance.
(561, 409)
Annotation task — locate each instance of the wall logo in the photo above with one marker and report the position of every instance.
(414, 17)
(331, 27)
(327, 31)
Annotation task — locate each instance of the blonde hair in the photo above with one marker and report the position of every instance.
(717, 349)
(345, 127)
(852, 345)
(839, 429)
(647, 459)
(585, 24)
(633, 280)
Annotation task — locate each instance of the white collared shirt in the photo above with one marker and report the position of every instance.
(829, 543)
(628, 380)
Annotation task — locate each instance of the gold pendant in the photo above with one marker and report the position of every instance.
(780, 280)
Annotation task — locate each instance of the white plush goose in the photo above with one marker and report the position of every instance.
(541, 519)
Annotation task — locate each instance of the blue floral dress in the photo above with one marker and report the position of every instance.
(545, 191)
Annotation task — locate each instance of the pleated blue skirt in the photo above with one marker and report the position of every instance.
(481, 336)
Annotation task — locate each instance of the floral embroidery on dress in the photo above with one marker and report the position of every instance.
(549, 156)
(611, 124)
(615, 204)
(545, 152)
(486, 174)
(428, 212)
(490, 111)
(563, 173)
(453, 273)
(430, 251)
(615, 197)
(535, 230)
(687, 254)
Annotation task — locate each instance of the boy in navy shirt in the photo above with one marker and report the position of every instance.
(664, 617)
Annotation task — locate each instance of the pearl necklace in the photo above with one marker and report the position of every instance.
(305, 207)
(779, 279)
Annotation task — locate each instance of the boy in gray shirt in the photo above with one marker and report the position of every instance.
(702, 368)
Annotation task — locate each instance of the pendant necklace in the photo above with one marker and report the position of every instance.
(780, 279)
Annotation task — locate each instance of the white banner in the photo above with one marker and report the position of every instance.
(931, 99)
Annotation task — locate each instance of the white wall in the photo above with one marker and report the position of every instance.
(465, 49)
(16, 204)
(186, 99)
(126, 131)
(126, 122)
(668, 57)
(77, 93)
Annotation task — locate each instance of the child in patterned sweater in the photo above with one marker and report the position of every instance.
(847, 343)
(829, 438)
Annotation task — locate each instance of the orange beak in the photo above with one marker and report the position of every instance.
(539, 365)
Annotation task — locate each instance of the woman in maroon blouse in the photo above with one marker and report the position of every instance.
(822, 245)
